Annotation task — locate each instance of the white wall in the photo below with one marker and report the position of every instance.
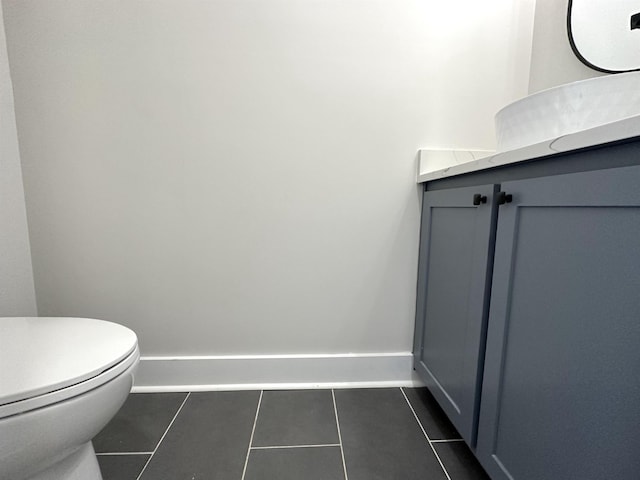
(238, 176)
(552, 60)
(17, 295)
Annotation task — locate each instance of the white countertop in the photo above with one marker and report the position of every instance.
(436, 163)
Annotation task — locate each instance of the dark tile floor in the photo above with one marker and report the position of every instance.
(359, 434)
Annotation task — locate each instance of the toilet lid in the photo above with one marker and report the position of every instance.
(43, 354)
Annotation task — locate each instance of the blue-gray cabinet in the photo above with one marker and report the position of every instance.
(561, 390)
(552, 328)
(457, 243)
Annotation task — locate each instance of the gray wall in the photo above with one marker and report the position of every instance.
(17, 296)
(552, 60)
(238, 177)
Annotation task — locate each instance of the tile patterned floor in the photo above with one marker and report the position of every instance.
(359, 434)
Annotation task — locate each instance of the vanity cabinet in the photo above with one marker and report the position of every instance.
(557, 387)
(561, 389)
(457, 243)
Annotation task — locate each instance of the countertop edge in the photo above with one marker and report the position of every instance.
(468, 161)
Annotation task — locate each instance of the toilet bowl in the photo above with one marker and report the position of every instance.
(61, 381)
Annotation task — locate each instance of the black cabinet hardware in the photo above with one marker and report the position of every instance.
(504, 198)
(478, 199)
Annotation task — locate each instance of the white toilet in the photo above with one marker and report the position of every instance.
(61, 381)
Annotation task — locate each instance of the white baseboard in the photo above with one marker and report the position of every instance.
(269, 372)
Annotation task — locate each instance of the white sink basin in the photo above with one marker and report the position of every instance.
(567, 109)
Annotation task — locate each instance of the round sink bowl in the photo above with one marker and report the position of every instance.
(567, 109)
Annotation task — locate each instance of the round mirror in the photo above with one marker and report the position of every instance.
(605, 34)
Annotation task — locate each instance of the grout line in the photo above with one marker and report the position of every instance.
(163, 435)
(253, 430)
(124, 453)
(425, 434)
(335, 409)
(448, 440)
(296, 446)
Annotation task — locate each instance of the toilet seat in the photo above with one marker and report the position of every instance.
(45, 360)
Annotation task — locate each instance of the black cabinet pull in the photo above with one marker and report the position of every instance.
(478, 199)
(504, 198)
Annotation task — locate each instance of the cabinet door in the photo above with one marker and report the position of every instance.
(455, 252)
(561, 389)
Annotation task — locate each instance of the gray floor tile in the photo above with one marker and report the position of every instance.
(431, 416)
(140, 423)
(460, 461)
(208, 440)
(322, 463)
(296, 417)
(121, 467)
(382, 439)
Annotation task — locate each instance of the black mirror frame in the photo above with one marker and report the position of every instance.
(579, 55)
